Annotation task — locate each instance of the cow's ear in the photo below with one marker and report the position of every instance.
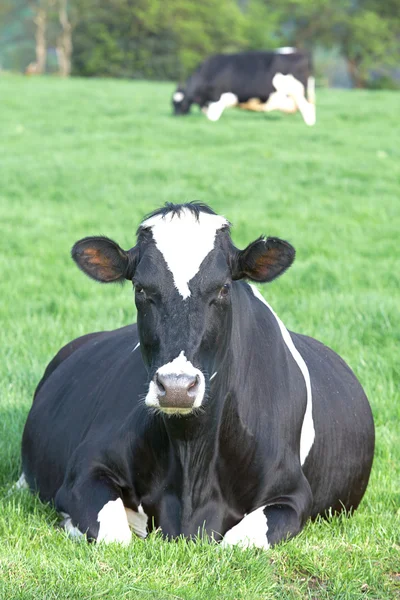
(103, 260)
(263, 260)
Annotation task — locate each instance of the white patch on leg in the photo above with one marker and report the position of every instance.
(71, 530)
(114, 526)
(251, 531)
(137, 521)
(289, 85)
(215, 109)
(184, 241)
(307, 430)
(179, 366)
(19, 485)
(22, 483)
(311, 90)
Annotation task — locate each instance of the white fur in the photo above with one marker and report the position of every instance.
(178, 96)
(290, 86)
(184, 242)
(307, 430)
(311, 89)
(151, 396)
(285, 50)
(137, 521)
(215, 109)
(71, 530)
(250, 531)
(179, 366)
(280, 101)
(21, 484)
(114, 526)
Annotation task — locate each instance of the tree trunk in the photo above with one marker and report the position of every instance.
(64, 41)
(40, 21)
(353, 66)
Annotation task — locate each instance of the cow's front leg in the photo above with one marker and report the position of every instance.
(215, 109)
(272, 523)
(95, 508)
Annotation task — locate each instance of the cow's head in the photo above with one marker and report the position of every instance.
(180, 102)
(183, 269)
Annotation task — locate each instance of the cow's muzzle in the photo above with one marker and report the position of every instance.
(177, 387)
(177, 391)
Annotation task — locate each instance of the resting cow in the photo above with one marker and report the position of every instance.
(208, 415)
(260, 81)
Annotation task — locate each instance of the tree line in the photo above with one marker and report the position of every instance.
(167, 39)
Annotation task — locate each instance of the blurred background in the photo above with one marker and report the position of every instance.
(356, 43)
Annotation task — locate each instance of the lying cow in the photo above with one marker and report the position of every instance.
(261, 81)
(208, 415)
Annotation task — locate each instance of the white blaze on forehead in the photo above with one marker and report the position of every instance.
(184, 241)
(178, 96)
(307, 430)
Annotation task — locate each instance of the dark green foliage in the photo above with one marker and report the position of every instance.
(364, 31)
(167, 39)
(152, 39)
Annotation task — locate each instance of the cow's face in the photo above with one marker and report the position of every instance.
(180, 102)
(183, 270)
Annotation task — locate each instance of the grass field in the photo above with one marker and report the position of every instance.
(88, 157)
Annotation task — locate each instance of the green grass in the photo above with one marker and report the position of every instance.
(85, 157)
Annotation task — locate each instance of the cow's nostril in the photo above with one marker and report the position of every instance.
(194, 384)
(160, 385)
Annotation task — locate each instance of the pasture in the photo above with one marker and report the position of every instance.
(87, 157)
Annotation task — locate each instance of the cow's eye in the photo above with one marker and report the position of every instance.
(224, 291)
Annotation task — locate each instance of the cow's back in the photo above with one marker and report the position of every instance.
(90, 379)
(249, 74)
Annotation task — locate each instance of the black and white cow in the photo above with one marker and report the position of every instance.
(208, 415)
(260, 81)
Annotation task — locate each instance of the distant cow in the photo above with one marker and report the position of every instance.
(260, 81)
(208, 415)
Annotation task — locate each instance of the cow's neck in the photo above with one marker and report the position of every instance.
(219, 434)
(194, 438)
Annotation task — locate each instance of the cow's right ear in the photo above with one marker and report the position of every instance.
(263, 260)
(103, 260)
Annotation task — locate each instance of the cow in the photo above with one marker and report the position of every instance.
(260, 81)
(207, 417)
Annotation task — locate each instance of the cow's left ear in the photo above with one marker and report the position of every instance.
(263, 260)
